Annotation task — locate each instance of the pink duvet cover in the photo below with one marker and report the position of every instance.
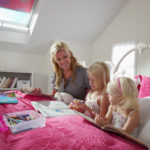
(60, 133)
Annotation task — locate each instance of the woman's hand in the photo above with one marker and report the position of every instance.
(36, 91)
(28, 89)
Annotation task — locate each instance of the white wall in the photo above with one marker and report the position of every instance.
(26, 62)
(132, 24)
(81, 51)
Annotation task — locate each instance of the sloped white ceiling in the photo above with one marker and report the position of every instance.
(74, 20)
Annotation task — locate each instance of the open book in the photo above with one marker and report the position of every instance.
(52, 108)
(111, 128)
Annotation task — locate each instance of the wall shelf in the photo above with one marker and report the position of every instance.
(22, 77)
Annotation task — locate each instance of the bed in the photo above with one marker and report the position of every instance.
(60, 133)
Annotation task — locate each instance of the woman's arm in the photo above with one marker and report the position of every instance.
(28, 89)
(132, 122)
(53, 93)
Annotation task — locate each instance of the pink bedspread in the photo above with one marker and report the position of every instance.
(60, 133)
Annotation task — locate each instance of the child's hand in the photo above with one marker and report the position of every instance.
(76, 106)
(100, 120)
(82, 106)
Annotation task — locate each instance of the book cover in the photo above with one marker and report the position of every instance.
(7, 83)
(53, 108)
(3, 82)
(112, 129)
(14, 82)
(9, 94)
(5, 99)
(1, 79)
(7, 80)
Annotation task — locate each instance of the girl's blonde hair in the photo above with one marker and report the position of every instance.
(56, 47)
(100, 72)
(125, 89)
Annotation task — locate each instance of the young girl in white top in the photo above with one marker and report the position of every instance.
(123, 111)
(97, 99)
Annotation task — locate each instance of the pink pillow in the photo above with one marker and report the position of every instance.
(145, 87)
(138, 80)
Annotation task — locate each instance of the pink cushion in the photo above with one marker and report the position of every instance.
(145, 87)
(138, 80)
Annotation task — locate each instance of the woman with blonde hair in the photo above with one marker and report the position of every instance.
(69, 76)
(123, 111)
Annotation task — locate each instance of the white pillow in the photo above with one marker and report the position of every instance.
(144, 135)
(144, 128)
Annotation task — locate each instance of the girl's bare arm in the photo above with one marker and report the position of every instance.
(104, 104)
(132, 122)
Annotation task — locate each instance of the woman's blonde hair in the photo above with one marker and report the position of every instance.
(56, 47)
(100, 72)
(125, 89)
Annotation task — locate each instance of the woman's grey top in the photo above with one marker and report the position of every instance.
(78, 88)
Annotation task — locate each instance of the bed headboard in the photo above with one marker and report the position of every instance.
(140, 47)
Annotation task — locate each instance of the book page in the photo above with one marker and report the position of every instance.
(56, 112)
(37, 105)
(54, 108)
(52, 104)
(57, 105)
(118, 131)
(111, 128)
(85, 116)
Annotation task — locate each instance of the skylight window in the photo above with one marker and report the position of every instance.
(16, 14)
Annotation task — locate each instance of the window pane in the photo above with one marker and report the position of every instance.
(16, 14)
(11, 16)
